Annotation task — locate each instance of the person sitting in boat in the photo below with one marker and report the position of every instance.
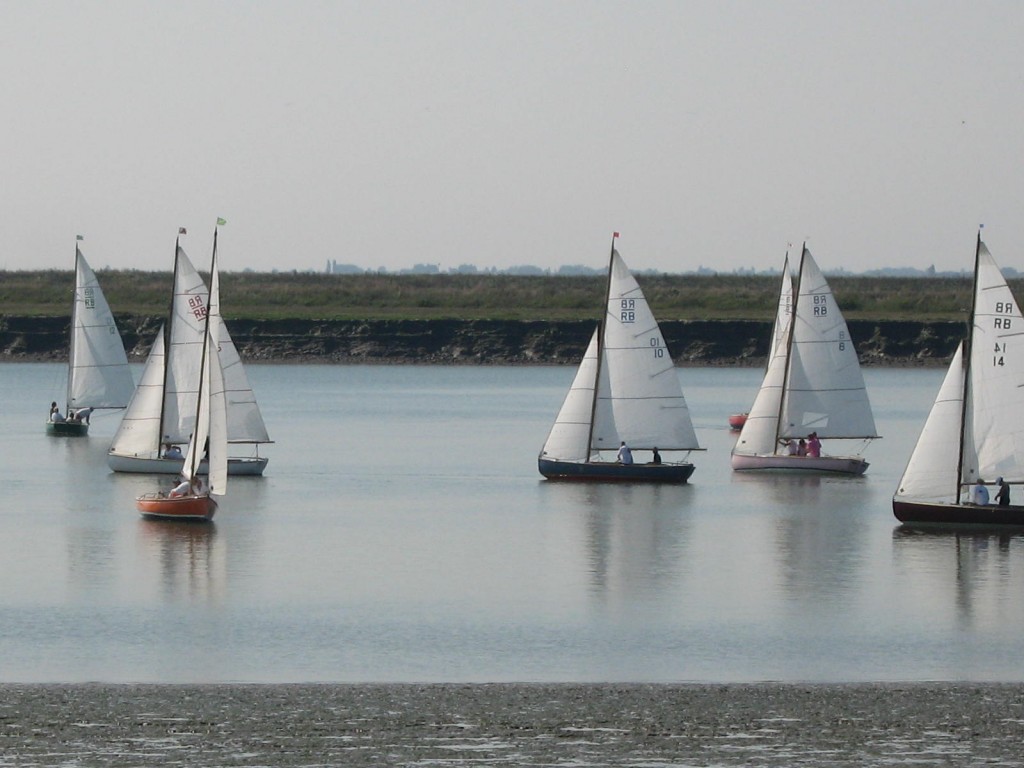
(73, 416)
(979, 493)
(801, 447)
(656, 458)
(813, 445)
(172, 452)
(625, 456)
(55, 415)
(181, 489)
(1003, 496)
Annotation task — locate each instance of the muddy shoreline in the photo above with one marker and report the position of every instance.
(512, 724)
(485, 342)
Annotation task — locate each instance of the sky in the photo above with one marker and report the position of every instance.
(496, 133)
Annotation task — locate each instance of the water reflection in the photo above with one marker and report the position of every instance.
(818, 537)
(977, 571)
(634, 535)
(189, 556)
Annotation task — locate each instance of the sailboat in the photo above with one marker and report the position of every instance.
(812, 385)
(626, 391)
(162, 412)
(195, 503)
(975, 430)
(98, 372)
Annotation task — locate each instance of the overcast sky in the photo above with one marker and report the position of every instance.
(386, 134)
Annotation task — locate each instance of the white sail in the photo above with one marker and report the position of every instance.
(994, 429)
(569, 439)
(218, 406)
(931, 473)
(825, 390)
(197, 441)
(210, 435)
(139, 432)
(99, 376)
(185, 337)
(639, 398)
(759, 435)
(163, 408)
(244, 419)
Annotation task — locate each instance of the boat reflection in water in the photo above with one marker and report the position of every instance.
(976, 571)
(190, 559)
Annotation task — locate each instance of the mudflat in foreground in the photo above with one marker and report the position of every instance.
(513, 724)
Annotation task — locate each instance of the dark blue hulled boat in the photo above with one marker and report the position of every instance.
(98, 372)
(975, 428)
(625, 407)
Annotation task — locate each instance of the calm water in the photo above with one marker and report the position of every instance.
(402, 533)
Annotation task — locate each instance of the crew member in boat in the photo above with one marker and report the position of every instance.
(656, 457)
(625, 456)
(813, 445)
(979, 493)
(172, 452)
(801, 447)
(181, 489)
(55, 415)
(1003, 496)
(83, 414)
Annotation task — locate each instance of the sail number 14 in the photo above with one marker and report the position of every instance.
(1004, 308)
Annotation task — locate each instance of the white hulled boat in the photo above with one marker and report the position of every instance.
(163, 410)
(812, 384)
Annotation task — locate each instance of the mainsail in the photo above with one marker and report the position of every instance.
(639, 398)
(824, 390)
(98, 372)
(994, 416)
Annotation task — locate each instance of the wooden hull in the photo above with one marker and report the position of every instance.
(150, 466)
(154, 506)
(737, 420)
(599, 471)
(842, 465)
(67, 429)
(938, 513)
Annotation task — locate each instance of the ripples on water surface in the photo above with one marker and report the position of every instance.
(402, 533)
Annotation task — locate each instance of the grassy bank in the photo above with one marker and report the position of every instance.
(500, 297)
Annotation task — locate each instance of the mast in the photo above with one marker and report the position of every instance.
(968, 344)
(197, 450)
(74, 325)
(600, 346)
(794, 300)
(167, 342)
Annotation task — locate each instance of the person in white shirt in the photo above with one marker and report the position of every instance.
(625, 455)
(979, 493)
(181, 489)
